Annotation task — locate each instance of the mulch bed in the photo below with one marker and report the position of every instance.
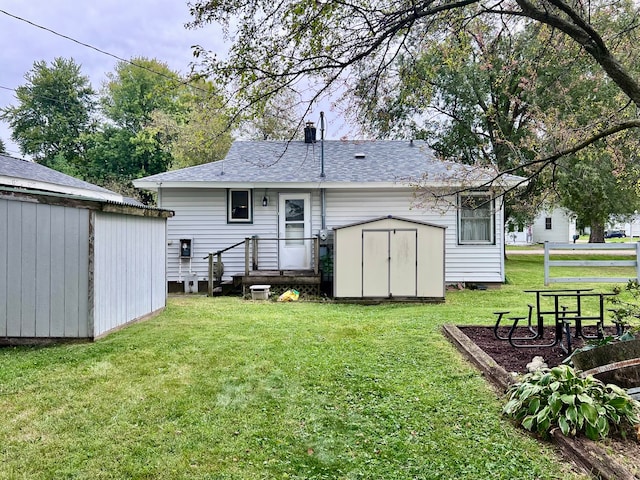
(611, 459)
(516, 359)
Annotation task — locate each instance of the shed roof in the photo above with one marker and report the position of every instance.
(390, 217)
(27, 178)
(345, 164)
(17, 172)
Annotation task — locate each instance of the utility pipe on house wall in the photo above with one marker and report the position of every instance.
(322, 144)
(324, 210)
(322, 190)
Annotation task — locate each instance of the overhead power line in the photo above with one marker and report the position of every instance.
(99, 50)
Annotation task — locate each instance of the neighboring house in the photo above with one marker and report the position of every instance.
(551, 225)
(297, 190)
(76, 260)
(554, 225)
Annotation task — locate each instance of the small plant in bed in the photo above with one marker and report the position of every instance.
(626, 308)
(559, 398)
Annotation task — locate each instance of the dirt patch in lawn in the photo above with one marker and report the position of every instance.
(610, 459)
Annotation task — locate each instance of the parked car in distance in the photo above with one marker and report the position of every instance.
(614, 234)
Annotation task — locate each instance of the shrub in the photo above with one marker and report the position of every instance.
(559, 398)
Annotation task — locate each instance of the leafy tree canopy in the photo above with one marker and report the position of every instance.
(54, 111)
(278, 45)
(139, 87)
(57, 121)
(200, 133)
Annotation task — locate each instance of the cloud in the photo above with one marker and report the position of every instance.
(126, 29)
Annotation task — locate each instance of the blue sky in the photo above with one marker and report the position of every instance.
(150, 28)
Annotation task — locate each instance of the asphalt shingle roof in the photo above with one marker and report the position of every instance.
(344, 162)
(25, 169)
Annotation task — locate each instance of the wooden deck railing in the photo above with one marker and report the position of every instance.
(251, 257)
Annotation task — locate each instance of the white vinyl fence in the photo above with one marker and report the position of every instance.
(601, 248)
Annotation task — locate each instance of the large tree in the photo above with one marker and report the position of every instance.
(55, 110)
(200, 130)
(127, 146)
(137, 88)
(595, 186)
(466, 95)
(498, 94)
(279, 44)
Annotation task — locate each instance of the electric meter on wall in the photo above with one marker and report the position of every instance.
(186, 247)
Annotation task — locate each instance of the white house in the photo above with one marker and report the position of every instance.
(550, 225)
(282, 193)
(76, 260)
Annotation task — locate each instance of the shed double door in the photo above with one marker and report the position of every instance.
(390, 263)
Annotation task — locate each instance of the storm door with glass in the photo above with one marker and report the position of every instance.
(294, 225)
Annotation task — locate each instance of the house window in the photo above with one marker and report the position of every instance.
(547, 223)
(239, 206)
(475, 218)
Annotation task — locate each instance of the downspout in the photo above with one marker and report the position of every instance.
(322, 190)
(159, 196)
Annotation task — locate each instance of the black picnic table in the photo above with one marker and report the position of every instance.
(564, 315)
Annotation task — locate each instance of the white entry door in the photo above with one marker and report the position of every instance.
(294, 225)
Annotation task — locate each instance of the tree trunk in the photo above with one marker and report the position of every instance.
(597, 233)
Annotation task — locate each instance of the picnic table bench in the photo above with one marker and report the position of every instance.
(566, 314)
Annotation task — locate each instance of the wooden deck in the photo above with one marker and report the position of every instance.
(280, 280)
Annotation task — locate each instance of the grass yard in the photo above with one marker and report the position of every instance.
(223, 388)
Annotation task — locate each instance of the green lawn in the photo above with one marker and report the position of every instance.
(223, 388)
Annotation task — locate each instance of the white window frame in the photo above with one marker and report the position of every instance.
(480, 207)
(230, 218)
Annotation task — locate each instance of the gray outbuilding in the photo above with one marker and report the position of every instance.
(389, 258)
(76, 261)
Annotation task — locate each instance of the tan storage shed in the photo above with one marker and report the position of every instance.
(389, 258)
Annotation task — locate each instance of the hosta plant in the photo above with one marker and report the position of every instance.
(559, 398)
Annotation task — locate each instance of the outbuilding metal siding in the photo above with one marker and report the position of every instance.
(74, 272)
(129, 268)
(44, 270)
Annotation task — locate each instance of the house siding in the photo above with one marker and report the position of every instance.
(463, 263)
(200, 214)
(129, 269)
